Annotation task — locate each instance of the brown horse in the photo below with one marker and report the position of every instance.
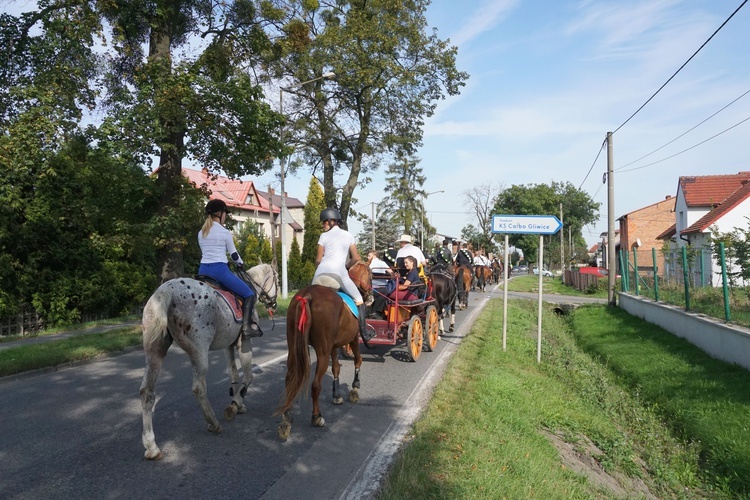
(463, 285)
(483, 275)
(318, 317)
(497, 270)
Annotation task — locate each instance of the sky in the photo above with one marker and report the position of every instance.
(549, 79)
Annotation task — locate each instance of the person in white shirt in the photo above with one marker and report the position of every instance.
(216, 242)
(377, 265)
(336, 247)
(409, 249)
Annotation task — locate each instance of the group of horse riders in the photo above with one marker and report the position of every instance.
(336, 249)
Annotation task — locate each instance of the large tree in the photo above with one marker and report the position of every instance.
(175, 82)
(390, 74)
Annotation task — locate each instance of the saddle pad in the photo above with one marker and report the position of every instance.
(349, 302)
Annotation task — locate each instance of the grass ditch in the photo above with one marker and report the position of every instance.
(617, 408)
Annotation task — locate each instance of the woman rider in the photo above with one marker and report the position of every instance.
(216, 242)
(335, 248)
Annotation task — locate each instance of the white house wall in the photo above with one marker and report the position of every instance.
(734, 219)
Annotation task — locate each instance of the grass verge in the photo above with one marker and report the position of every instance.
(530, 283)
(78, 348)
(82, 347)
(502, 426)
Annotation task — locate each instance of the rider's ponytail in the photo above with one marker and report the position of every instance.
(207, 226)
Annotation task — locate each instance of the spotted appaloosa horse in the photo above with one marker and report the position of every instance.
(194, 316)
(318, 317)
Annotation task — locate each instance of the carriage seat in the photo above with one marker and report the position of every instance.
(419, 290)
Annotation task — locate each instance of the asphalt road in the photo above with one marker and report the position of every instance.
(75, 432)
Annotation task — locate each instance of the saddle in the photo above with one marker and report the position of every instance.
(233, 300)
(331, 282)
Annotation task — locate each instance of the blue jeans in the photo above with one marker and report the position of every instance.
(221, 273)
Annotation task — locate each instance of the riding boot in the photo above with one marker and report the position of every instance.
(361, 310)
(249, 327)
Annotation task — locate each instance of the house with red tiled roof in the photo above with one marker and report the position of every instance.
(248, 203)
(640, 230)
(706, 202)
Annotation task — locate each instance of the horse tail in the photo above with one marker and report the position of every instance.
(460, 281)
(155, 319)
(298, 323)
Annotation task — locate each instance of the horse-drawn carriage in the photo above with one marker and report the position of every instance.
(414, 321)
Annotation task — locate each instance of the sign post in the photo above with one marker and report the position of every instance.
(525, 224)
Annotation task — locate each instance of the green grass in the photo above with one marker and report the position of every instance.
(663, 414)
(83, 347)
(78, 348)
(530, 283)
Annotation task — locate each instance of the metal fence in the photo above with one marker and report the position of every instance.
(693, 279)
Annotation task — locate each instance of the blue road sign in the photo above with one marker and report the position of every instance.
(525, 224)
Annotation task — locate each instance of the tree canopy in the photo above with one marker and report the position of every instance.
(390, 74)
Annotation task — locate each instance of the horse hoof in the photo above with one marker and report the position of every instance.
(230, 412)
(284, 431)
(450, 329)
(150, 455)
(353, 396)
(318, 421)
(338, 400)
(216, 429)
(242, 410)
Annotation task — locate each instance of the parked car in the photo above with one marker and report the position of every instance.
(515, 270)
(523, 268)
(545, 272)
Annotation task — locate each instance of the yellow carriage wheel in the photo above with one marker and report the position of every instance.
(414, 338)
(432, 325)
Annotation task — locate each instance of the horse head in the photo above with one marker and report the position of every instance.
(361, 274)
(264, 279)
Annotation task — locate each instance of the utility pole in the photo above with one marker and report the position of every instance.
(562, 249)
(611, 257)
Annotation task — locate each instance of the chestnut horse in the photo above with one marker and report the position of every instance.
(483, 275)
(318, 317)
(463, 285)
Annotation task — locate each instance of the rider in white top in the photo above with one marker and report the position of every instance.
(216, 242)
(481, 260)
(335, 246)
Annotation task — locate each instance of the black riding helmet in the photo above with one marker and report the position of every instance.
(215, 207)
(330, 214)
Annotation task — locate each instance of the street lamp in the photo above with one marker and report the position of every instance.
(282, 165)
(424, 200)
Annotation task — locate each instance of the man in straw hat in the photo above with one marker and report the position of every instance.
(408, 249)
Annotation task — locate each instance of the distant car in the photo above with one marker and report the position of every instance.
(545, 272)
(523, 268)
(596, 271)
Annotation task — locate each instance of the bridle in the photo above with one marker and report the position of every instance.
(263, 296)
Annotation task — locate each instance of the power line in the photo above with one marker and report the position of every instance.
(683, 134)
(688, 149)
(680, 68)
(592, 165)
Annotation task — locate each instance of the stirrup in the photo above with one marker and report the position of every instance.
(252, 332)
